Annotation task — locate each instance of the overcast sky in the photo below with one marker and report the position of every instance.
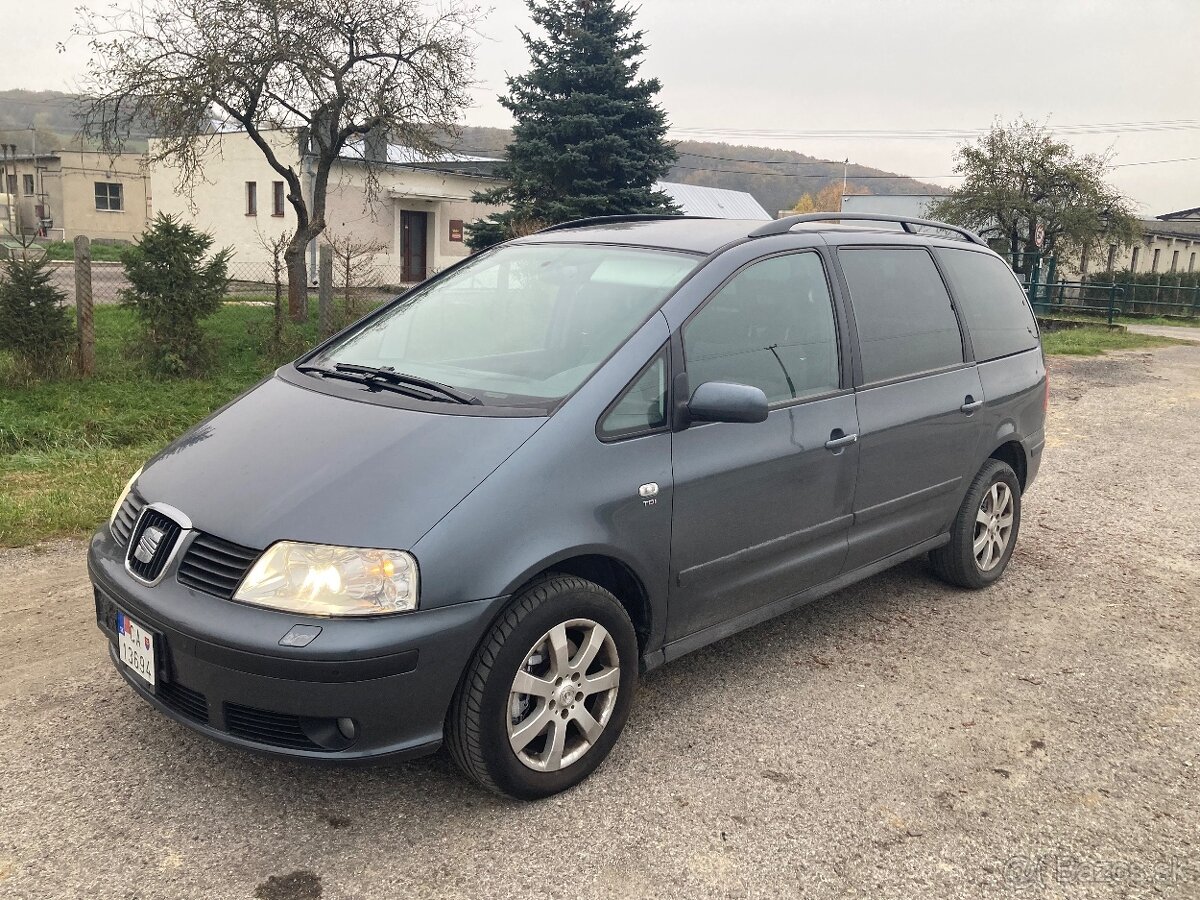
(789, 66)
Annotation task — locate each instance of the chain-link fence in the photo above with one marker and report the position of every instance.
(363, 282)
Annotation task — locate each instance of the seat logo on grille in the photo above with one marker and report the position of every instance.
(148, 544)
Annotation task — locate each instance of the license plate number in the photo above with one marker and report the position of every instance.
(136, 647)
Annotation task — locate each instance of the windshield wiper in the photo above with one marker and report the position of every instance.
(372, 383)
(389, 375)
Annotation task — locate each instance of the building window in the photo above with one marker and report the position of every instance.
(1112, 257)
(1154, 260)
(12, 184)
(1133, 261)
(252, 198)
(1174, 260)
(109, 196)
(1192, 263)
(27, 185)
(277, 198)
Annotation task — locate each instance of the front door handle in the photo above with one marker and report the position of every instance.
(838, 440)
(971, 404)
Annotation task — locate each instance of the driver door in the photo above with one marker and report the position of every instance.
(762, 511)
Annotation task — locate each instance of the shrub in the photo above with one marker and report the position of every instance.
(34, 325)
(173, 286)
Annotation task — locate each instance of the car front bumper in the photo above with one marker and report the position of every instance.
(221, 670)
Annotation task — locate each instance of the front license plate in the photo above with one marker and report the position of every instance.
(136, 647)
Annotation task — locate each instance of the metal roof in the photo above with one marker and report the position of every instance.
(719, 203)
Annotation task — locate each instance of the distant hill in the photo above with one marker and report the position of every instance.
(776, 178)
(772, 176)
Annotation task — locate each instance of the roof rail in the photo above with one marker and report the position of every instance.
(614, 220)
(784, 225)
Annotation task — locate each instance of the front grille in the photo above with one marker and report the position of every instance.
(151, 569)
(188, 703)
(263, 727)
(126, 518)
(215, 566)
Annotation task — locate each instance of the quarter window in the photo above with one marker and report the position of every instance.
(905, 322)
(109, 196)
(643, 406)
(991, 303)
(772, 327)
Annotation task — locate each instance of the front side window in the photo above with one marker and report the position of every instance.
(108, 196)
(905, 322)
(521, 325)
(991, 302)
(771, 326)
(643, 406)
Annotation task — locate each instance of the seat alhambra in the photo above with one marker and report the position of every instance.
(477, 515)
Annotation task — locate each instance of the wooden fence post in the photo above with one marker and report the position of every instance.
(83, 305)
(325, 290)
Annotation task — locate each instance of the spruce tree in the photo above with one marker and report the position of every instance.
(589, 138)
(35, 326)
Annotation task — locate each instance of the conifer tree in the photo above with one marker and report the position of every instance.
(589, 137)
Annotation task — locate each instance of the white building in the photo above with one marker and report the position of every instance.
(416, 219)
(1169, 245)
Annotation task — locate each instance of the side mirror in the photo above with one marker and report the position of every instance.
(723, 401)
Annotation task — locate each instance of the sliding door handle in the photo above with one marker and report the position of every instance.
(971, 404)
(838, 440)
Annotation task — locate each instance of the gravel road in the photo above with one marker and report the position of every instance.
(899, 740)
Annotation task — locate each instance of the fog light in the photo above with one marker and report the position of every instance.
(347, 728)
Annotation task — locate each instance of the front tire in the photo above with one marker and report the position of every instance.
(548, 692)
(985, 530)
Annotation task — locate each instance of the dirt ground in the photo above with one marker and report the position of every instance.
(898, 740)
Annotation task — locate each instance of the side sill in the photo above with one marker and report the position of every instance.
(695, 641)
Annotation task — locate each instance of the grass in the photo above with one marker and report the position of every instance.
(59, 250)
(1092, 341)
(1158, 320)
(68, 447)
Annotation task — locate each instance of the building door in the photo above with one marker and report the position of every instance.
(413, 230)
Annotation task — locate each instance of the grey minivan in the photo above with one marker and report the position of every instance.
(475, 516)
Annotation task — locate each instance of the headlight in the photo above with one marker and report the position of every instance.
(125, 493)
(331, 581)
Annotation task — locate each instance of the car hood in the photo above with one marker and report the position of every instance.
(286, 462)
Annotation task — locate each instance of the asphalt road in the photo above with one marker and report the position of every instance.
(899, 740)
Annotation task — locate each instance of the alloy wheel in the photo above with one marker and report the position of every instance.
(563, 695)
(993, 526)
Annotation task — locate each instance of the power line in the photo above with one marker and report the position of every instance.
(831, 175)
(1100, 128)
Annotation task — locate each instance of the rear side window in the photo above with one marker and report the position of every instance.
(905, 322)
(992, 305)
(770, 326)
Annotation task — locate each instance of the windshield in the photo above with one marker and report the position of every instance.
(522, 325)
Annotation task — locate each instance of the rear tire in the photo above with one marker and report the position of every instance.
(985, 530)
(570, 644)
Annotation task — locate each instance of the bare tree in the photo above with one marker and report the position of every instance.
(355, 261)
(276, 246)
(335, 73)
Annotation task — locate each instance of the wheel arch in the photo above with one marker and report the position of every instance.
(1012, 452)
(602, 566)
